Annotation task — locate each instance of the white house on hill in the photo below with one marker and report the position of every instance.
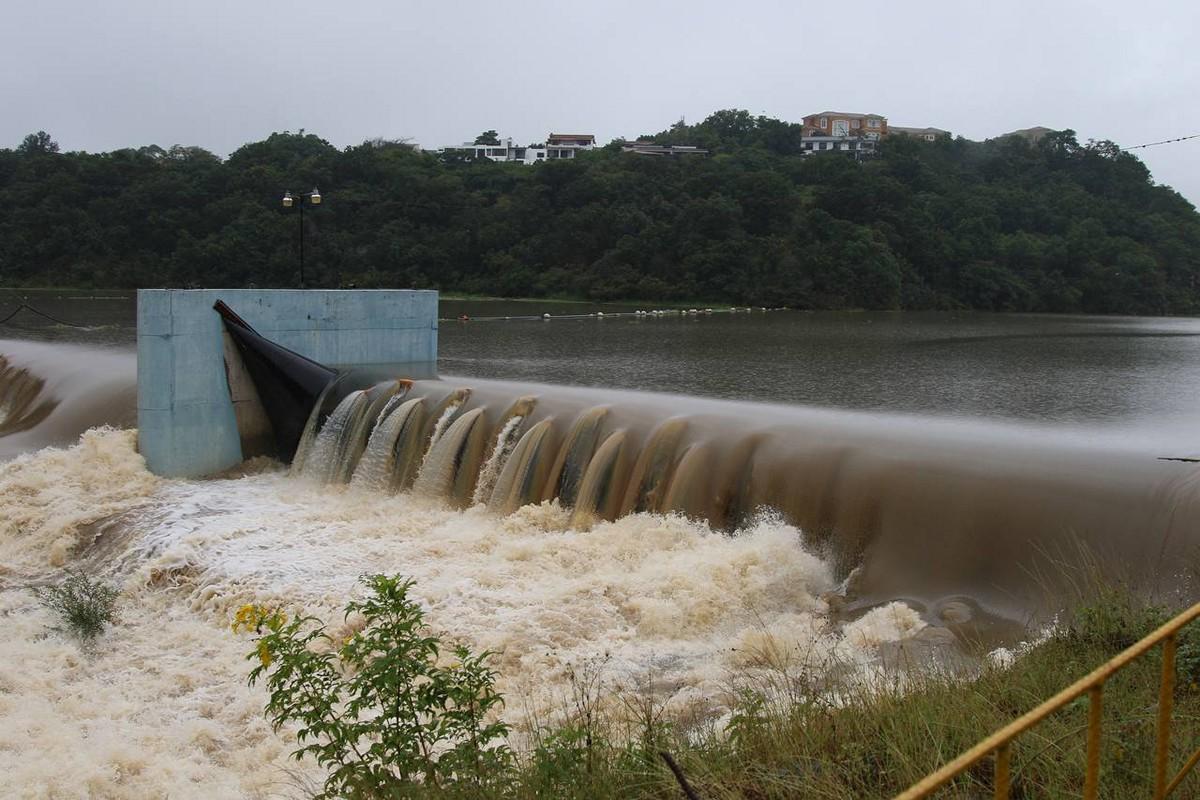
(557, 146)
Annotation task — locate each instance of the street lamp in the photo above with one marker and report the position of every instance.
(298, 201)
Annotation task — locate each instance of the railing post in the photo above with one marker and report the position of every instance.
(1091, 782)
(1166, 698)
(1003, 771)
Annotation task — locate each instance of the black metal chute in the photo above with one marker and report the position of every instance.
(288, 384)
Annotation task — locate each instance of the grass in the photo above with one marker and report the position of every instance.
(847, 737)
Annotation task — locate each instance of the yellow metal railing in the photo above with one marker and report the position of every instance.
(1092, 685)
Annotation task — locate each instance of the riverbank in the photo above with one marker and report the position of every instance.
(849, 737)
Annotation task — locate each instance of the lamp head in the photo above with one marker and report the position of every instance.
(288, 200)
(314, 197)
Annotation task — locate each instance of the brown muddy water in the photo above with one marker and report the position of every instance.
(670, 495)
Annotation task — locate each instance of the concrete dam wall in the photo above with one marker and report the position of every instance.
(198, 412)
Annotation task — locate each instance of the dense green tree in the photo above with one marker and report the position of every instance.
(488, 137)
(1005, 224)
(37, 143)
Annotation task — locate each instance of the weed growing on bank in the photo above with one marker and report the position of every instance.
(380, 709)
(790, 731)
(84, 605)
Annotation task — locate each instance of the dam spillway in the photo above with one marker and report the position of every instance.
(903, 507)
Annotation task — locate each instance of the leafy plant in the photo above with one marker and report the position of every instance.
(85, 605)
(380, 709)
(749, 718)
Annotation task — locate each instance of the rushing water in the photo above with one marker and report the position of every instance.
(714, 487)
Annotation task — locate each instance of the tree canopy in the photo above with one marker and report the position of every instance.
(1004, 224)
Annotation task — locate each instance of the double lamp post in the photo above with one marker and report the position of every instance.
(298, 201)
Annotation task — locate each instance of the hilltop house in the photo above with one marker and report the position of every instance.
(557, 146)
(928, 134)
(566, 145)
(843, 123)
(858, 135)
(1031, 135)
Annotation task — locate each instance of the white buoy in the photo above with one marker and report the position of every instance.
(599, 313)
(545, 316)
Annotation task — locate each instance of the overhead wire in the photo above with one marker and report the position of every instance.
(1164, 141)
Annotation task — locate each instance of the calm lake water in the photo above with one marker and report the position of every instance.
(1120, 376)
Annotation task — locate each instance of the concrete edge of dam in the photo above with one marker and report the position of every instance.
(198, 411)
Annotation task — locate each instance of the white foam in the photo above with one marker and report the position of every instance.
(48, 497)
(162, 706)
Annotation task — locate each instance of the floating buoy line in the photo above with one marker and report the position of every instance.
(659, 312)
(26, 307)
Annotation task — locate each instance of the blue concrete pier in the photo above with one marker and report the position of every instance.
(187, 422)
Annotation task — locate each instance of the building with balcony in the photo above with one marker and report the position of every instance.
(557, 146)
(566, 145)
(856, 147)
(843, 123)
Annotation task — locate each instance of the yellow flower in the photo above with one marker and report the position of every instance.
(264, 654)
(246, 618)
(251, 617)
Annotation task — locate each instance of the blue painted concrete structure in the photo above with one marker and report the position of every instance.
(186, 421)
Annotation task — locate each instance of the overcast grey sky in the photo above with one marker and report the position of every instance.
(219, 73)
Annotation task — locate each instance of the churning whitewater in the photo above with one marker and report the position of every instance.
(161, 705)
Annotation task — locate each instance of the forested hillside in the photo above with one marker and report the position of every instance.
(1003, 224)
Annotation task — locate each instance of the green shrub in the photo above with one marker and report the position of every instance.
(1187, 656)
(85, 605)
(380, 710)
(1114, 618)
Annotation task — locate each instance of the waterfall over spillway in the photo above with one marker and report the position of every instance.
(502, 448)
(913, 503)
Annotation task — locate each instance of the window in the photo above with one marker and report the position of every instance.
(824, 122)
(855, 123)
(841, 127)
(872, 123)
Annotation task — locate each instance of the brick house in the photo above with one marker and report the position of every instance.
(842, 124)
